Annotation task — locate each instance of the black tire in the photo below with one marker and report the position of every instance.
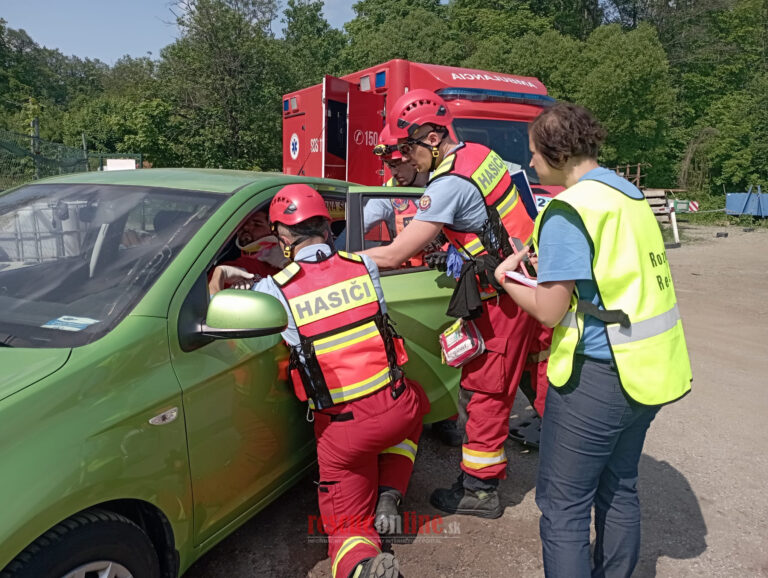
(91, 536)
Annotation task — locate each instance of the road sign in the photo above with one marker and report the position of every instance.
(693, 206)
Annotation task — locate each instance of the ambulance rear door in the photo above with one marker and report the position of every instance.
(365, 119)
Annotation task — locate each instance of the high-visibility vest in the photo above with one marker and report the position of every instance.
(345, 347)
(506, 212)
(632, 275)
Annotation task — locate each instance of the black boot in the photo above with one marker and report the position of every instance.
(387, 520)
(382, 566)
(447, 432)
(460, 500)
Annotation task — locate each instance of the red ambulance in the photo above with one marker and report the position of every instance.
(330, 129)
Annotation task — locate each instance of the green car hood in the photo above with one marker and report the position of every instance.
(22, 367)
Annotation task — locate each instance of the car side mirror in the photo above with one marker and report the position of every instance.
(237, 313)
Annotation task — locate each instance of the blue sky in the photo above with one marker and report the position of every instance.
(109, 29)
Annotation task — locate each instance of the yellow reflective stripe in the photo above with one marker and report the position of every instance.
(406, 448)
(444, 167)
(333, 299)
(475, 246)
(350, 256)
(282, 277)
(346, 338)
(509, 202)
(489, 173)
(347, 546)
(477, 460)
(361, 388)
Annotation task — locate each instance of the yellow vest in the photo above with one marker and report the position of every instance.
(630, 269)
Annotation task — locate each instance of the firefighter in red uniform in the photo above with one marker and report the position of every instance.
(404, 174)
(345, 362)
(472, 199)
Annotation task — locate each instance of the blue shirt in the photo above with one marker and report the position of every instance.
(565, 255)
(453, 201)
(309, 254)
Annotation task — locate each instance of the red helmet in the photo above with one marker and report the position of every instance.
(295, 204)
(387, 147)
(415, 108)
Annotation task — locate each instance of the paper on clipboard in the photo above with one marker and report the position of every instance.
(520, 278)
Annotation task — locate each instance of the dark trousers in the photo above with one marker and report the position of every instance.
(592, 436)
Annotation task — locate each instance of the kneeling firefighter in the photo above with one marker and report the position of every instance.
(345, 362)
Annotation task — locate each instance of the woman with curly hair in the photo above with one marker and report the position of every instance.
(618, 349)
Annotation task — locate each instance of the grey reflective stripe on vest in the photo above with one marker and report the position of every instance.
(366, 330)
(569, 320)
(340, 396)
(640, 330)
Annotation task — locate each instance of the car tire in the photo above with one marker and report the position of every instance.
(88, 542)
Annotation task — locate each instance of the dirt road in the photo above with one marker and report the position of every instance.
(703, 475)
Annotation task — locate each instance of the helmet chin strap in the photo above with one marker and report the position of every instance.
(288, 249)
(436, 153)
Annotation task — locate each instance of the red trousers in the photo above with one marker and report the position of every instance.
(362, 445)
(536, 368)
(489, 383)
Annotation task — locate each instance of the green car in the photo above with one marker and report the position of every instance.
(142, 421)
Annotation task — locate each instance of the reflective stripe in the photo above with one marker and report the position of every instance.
(346, 338)
(360, 388)
(347, 546)
(489, 173)
(569, 320)
(336, 298)
(640, 330)
(282, 277)
(477, 460)
(509, 202)
(407, 448)
(350, 256)
(444, 167)
(475, 246)
(539, 356)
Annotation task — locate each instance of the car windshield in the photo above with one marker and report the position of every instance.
(507, 137)
(75, 259)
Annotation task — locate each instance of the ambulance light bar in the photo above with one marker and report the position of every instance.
(482, 95)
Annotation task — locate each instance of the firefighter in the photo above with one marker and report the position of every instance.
(345, 362)
(471, 199)
(618, 348)
(397, 216)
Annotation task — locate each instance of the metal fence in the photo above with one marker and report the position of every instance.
(24, 158)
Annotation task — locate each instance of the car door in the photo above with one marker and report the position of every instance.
(248, 436)
(417, 297)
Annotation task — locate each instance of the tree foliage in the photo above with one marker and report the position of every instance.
(680, 86)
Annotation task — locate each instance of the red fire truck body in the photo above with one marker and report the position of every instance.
(330, 129)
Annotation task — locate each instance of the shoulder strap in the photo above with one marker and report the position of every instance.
(288, 273)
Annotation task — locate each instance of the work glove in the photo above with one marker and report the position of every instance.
(235, 277)
(485, 267)
(437, 260)
(454, 263)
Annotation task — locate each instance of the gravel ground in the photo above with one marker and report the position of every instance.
(702, 475)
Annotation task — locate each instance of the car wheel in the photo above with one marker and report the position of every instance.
(92, 544)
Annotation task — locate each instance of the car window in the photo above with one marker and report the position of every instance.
(75, 259)
(385, 216)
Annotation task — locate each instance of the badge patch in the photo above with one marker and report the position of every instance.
(400, 204)
(425, 202)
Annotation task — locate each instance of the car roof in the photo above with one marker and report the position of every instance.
(211, 180)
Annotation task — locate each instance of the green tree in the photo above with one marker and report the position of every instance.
(224, 79)
(416, 30)
(311, 46)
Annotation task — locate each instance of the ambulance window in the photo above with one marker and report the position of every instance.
(365, 83)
